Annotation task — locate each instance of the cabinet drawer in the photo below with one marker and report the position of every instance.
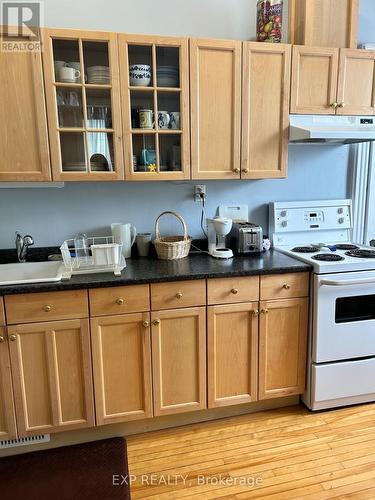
(283, 286)
(2, 312)
(231, 290)
(178, 294)
(33, 307)
(119, 300)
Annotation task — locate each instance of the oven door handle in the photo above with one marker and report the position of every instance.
(364, 281)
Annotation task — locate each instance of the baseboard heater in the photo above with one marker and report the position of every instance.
(26, 441)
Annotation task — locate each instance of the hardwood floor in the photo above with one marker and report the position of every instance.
(289, 453)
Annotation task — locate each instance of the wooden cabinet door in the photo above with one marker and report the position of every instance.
(314, 80)
(52, 376)
(215, 103)
(179, 360)
(121, 354)
(23, 129)
(282, 347)
(232, 340)
(8, 428)
(356, 82)
(265, 110)
(84, 116)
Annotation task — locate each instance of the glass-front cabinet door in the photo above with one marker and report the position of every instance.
(154, 92)
(83, 105)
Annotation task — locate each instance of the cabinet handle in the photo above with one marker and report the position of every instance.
(2, 339)
(264, 311)
(256, 312)
(234, 291)
(120, 301)
(286, 286)
(334, 104)
(179, 295)
(341, 105)
(12, 338)
(156, 322)
(47, 308)
(245, 170)
(236, 170)
(145, 324)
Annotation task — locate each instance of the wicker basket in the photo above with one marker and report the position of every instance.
(172, 247)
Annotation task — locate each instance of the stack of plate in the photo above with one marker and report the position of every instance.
(77, 166)
(98, 75)
(167, 76)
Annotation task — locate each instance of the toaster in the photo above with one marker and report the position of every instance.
(246, 237)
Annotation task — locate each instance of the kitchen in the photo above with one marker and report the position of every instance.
(167, 164)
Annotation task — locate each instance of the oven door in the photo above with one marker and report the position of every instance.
(343, 316)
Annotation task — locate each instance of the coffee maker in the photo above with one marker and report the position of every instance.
(218, 228)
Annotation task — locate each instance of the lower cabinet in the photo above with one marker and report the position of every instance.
(282, 347)
(52, 376)
(232, 354)
(122, 367)
(179, 360)
(8, 428)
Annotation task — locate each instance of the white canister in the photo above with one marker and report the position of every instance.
(125, 233)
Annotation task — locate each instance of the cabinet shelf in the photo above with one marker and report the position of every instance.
(167, 131)
(158, 89)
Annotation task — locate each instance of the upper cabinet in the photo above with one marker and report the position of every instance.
(332, 81)
(323, 23)
(215, 86)
(155, 105)
(83, 105)
(23, 133)
(265, 110)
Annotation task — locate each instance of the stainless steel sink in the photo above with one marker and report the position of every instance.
(30, 272)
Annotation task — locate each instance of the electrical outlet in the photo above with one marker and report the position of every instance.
(200, 192)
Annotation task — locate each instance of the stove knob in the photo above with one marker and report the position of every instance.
(283, 213)
(341, 220)
(340, 210)
(284, 223)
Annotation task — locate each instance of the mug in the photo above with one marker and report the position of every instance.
(125, 233)
(57, 65)
(163, 119)
(148, 156)
(143, 244)
(175, 120)
(77, 66)
(70, 75)
(146, 118)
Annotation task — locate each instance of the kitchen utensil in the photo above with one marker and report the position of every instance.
(143, 241)
(148, 157)
(172, 247)
(125, 233)
(57, 65)
(174, 120)
(68, 75)
(146, 118)
(140, 75)
(98, 75)
(246, 237)
(77, 66)
(163, 119)
(80, 244)
(105, 254)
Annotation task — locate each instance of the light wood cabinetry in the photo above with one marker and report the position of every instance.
(52, 376)
(179, 360)
(83, 105)
(215, 105)
(232, 290)
(333, 81)
(119, 300)
(8, 429)
(156, 113)
(23, 130)
(265, 110)
(178, 294)
(324, 23)
(282, 347)
(2, 312)
(284, 286)
(232, 354)
(122, 367)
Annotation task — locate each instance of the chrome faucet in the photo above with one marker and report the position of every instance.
(22, 244)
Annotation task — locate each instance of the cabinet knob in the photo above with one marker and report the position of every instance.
(178, 295)
(341, 105)
(120, 301)
(12, 338)
(156, 322)
(264, 311)
(2, 339)
(145, 324)
(47, 308)
(256, 312)
(245, 170)
(234, 291)
(236, 170)
(334, 105)
(286, 286)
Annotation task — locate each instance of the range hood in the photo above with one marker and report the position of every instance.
(317, 129)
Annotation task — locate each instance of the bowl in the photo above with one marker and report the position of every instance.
(140, 67)
(140, 75)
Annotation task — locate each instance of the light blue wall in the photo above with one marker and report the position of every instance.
(51, 215)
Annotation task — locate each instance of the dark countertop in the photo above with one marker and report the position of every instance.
(148, 270)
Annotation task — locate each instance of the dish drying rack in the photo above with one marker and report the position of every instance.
(101, 254)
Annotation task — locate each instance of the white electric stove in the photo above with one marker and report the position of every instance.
(341, 357)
